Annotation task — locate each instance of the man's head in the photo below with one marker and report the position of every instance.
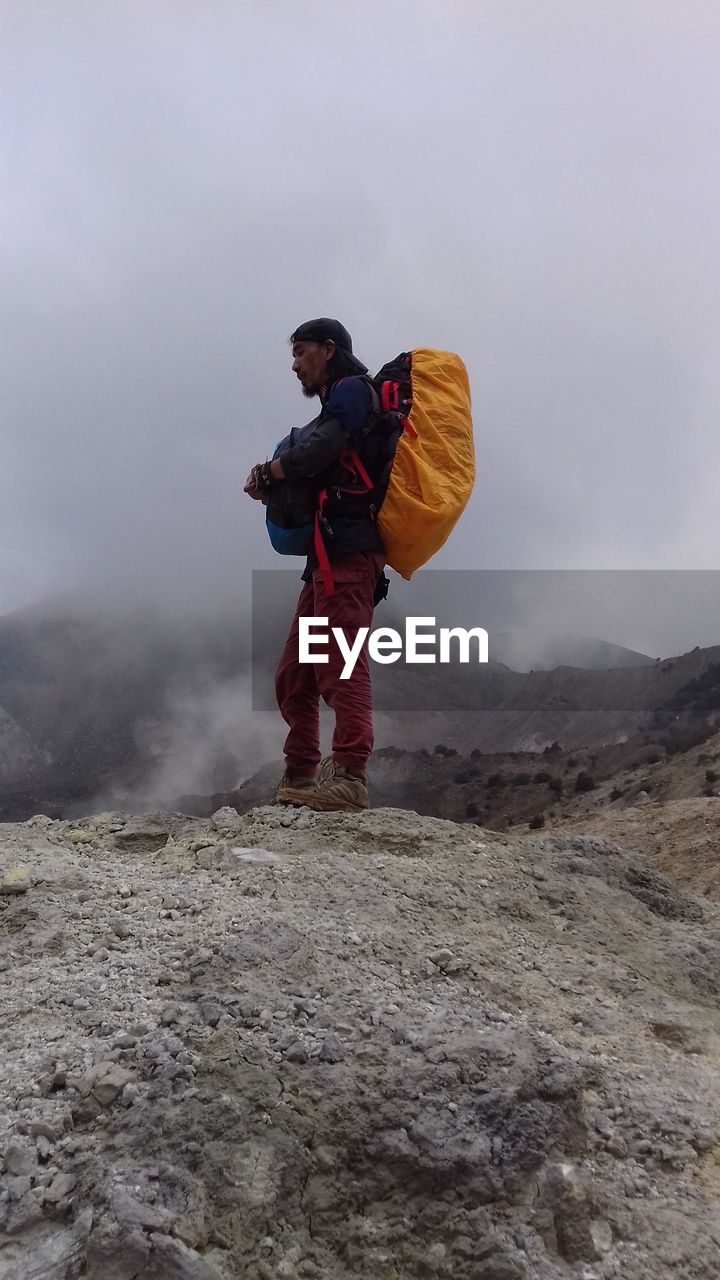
(322, 353)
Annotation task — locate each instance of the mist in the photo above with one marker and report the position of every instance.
(183, 185)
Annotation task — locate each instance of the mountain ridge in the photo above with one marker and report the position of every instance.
(98, 704)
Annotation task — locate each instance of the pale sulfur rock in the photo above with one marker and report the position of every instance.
(14, 881)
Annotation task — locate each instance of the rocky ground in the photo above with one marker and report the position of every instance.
(681, 839)
(385, 1046)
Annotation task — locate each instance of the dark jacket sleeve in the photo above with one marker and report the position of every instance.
(318, 452)
(342, 420)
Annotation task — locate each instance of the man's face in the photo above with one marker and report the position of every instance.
(310, 362)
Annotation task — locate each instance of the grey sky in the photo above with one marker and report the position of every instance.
(533, 185)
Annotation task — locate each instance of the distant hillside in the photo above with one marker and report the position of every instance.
(90, 695)
(100, 701)
(498, 790)
(543, 654)
(20, 759)
(500, 710)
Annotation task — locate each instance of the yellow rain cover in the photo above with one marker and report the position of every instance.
(434, 467)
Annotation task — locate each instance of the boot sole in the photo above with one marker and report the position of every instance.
(293, 797)
(332, 806)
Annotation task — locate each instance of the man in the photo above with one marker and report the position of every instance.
(343, 576)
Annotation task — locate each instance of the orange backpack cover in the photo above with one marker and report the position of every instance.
(433, 470)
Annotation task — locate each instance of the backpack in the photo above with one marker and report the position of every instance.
(296, 512)
(433, 469)
(421, 407)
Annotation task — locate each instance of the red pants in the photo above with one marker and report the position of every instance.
(299, 686)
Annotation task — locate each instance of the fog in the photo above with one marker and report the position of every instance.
(532, 186)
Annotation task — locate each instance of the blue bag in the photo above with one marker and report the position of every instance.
(290, 506)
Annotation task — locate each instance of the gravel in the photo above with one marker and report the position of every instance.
(390, 1049)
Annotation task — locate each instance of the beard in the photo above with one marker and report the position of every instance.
(310, 391)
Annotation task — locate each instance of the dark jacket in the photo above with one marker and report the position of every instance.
(349, 419)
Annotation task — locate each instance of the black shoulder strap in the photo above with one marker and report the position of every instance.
(375, 408)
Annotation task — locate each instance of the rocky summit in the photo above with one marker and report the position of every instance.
(382, 1046)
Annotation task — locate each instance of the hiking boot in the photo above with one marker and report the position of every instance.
(293, 787)
(338, 790)
(327, 768)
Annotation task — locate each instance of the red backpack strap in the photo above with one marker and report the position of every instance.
(390, 396)
(347, 462)
(320, 549)
(361, 470)
(353, 463)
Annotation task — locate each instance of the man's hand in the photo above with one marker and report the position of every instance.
(261, 477)
(254, 486)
